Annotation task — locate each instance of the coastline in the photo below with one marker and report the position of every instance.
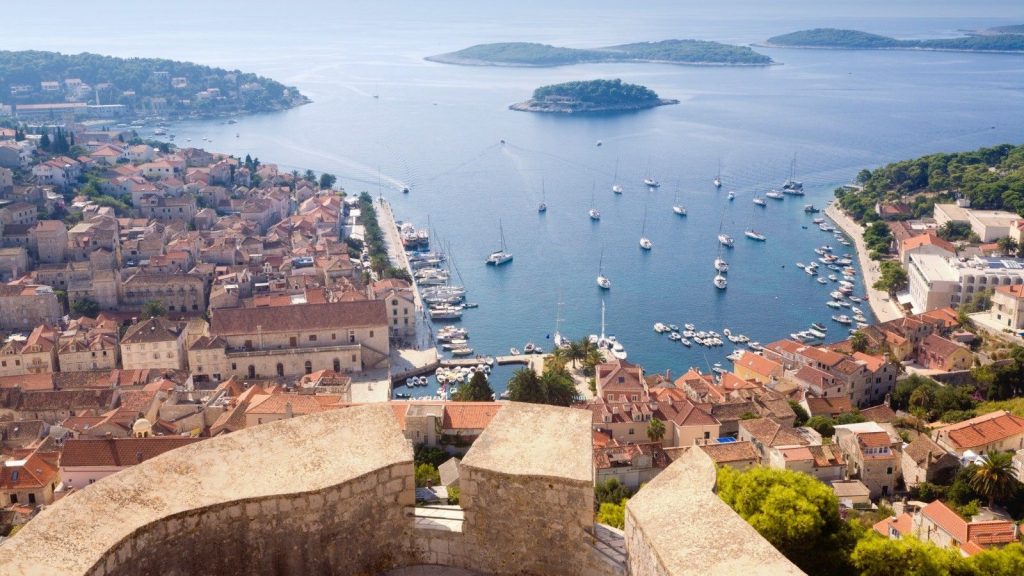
(532, 105)
(457, 61)
(884, 310)
(866, 48)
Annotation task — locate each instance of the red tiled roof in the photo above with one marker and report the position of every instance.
(873, 362)
(118, 451)
(880, 414)
(469, 415)
(928, 238)
(946, 519)
(731, 452)
(758, 364)
(983, 430)
(903, 524)
(36, 472)
(874, 439)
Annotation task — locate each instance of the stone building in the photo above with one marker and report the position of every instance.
(49, 241)
(25, 306)
(872, 453)
(34, 354)
(999, 430)
(154, 343)
(178, 292)
(30, 480)
(292, 340)
(401, 306)
(925, 461)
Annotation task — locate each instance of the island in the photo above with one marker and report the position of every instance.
(857, 40)
(591, 96)
(690, 52)
(42, 86)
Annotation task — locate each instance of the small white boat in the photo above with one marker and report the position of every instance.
(679, 209)
(732, 196)
(857, 299)
(651, 182)
(815, 333)
(660, 328)
(721, 266)
(684, 342)
(514, 351)
(616, 189)
(755, 235)
(720, 282)
(690, 327)
(760, 201)
(717, 182)
(645, 243)
(594, 214)
(833, 304)
(726, 240)
(775, 195)
(799, 264)
(604, 282)
(675, 336)
(842, 319)
(822, 281)
(530, 348)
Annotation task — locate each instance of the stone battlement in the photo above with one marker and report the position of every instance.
(332, 493)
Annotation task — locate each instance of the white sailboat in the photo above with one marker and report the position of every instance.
(503, 256)
(721, 265)
(645, 242)
(718, 177)
(724, 240)
(792, 186)
(720, 282)
(543, 205)
(676, 206)
(608, 343)
(615, 179)
(594, 213)
(603, 280)
(760, 201)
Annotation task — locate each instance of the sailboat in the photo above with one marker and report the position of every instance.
(760, 201)
(543, 205)
(499, 257)
(792, 186)
(608, 343)
(676, 206)
(724, 240)
(615, 179)
(718, 178)
(645, 242)
(603, 280)
(595, 214)
(720, 282)
(721, 265)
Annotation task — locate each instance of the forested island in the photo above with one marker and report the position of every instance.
(591, 96)
(692, 52)
(136, 87)
(857, 40)
(991, 178)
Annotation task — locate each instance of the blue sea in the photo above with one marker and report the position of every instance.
(438, 129)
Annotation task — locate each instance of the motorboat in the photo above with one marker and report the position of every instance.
(822, 281)
(689, 327)
(726, 240)
(843, 319)
(799, 264)
(774, 195)
(594, 213)
(732, 195)
(837, 295)
(760, 201)
(660, 328)
(514, 351)
(502, 256)
(685, 342)
(651, 182)
(542, 208)
(833, 304)
(530, 348)
(673, 327)
(679, 209)
(467, 351)
(810, 209)
(720, 282)
(675, 336)
(816, 333)
(721, 266)
(755, 235)
(820, 327)
(616, 189)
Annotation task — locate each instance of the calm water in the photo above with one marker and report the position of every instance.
(436, 128)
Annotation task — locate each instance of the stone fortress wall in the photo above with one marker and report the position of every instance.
(332, 494)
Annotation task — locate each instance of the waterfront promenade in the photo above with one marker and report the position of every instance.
(882, 305)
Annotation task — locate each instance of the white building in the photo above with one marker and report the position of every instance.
(937, 281)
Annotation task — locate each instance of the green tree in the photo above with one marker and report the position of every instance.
(427, 475)
(612, 514)
(559, 386)
(801, 414)
(44, 142)
(610, 491)
(327, 180)
(591, 361)
(578, 350)
(859, 342)
(955, 231)
(879, 556)
(153, 308)
(1007, 245)
(994, 477)
(878, 237)
(86, 307)
(849, 418)
(525, 386)
(477, 390)
(1005, 561)
(793, 511)
(434, 456)
(893, 278)
(309, 176)
(655, 430)
(822, 425)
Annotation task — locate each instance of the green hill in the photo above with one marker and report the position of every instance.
(697, 52)
(180, 88)
(591, 96)
(855, 39)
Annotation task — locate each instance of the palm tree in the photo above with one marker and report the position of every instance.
(525, 386)
(577, 350)
(592, 359)
(655, 430)
(859, 342)
(994, 477)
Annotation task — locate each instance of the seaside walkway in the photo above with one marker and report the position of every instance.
(881, 304)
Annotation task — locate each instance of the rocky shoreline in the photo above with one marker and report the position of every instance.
(532, 105)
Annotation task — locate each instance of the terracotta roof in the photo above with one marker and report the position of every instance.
(1015, 290)
(829, 406)
(758, 364)
(72, 400)
(118, 451)
(938, 345)
(138, 400)
(991, 532)
(814, 377)
(731, 452)
(304, 317)
(983, 430)
(469, 415)
(619, 376)
(821, 456)
(873, 362)
(36, 472)
(683, 413)
(928, 238)
(880, 413)
(28, 382)
(902, 524)
(301, 403)
(921, 447)
(771, 433)
(874, 439)
(152, 330)
(946, 519)
(615, 456)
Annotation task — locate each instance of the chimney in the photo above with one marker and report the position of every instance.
(288, 413)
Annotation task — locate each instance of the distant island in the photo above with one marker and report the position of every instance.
(38, 85)
(857, 40)
(691, 52)
(591, 96)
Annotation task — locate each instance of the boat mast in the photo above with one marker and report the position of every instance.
(602, 320)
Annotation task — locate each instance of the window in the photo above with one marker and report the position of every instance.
(309, 367)
(248, 344)
(293, 341)
(351, 336)
(337, 365)
(252, 371)
(312, 337)
(707, 435)
(31, 498)
(353, 358)
(633, 398)
(4, 363)
(234, 366)
(14, 498)
(334, 336)
(395, 321)
(888, 470)
(280, 369)
(630, 431)
(394, 302)
(371, 333)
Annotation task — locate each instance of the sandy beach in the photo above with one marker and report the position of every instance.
(884, 308)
